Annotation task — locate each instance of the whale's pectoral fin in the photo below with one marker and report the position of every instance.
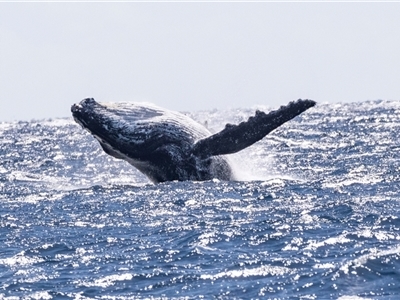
(237, 137)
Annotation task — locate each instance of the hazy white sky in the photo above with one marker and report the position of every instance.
(192, 56)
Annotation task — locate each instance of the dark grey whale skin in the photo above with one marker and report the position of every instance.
(167, 146)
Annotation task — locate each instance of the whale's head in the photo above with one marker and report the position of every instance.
(88, 113)
(120, 126)
(98, 120)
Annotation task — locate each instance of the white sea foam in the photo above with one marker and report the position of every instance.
(106, 281)
(259, 271)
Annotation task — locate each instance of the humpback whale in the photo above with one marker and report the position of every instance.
(166, 145)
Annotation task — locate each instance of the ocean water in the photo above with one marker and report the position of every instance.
(316, 215)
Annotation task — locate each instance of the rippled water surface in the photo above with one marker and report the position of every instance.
(315, 217)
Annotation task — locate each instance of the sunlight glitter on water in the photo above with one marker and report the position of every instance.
(321, 221)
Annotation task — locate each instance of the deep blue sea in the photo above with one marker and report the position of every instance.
(316, 215)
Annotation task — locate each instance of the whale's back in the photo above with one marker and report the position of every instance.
(145, 122)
